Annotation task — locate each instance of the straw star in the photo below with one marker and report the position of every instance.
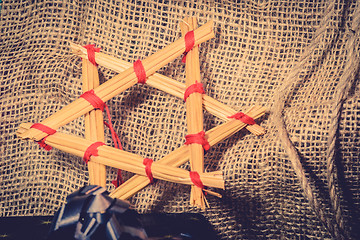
(101, 155)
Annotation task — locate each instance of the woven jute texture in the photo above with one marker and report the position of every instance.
(300, 59)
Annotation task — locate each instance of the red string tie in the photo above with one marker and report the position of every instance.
(140, 71)
(43, 128)
(244, 118)
(114, 136)
(91, 49)
(195, 178)
(97, 103)
(196, 87)
(198, 138)
(93, 99)
(43, 145)
(119, 179)
(147, 162)
(189, 44)
(46, 130)
(92, 150)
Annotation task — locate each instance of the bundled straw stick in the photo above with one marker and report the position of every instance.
(167, 85)
(181, 155)
(120, 159)
(119, 83)
(194, 114)
(94, 123)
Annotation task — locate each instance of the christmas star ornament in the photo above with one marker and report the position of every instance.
(98, 155)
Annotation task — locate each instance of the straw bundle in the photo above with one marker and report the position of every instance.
(194, 112)
(94, 126)
(120, 159)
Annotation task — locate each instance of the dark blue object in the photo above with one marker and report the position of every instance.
(90, 213)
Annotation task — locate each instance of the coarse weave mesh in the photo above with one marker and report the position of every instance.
(300, 59)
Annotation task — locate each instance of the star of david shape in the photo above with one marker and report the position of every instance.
(167, 167)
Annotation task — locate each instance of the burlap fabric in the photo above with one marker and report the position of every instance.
(299, 58)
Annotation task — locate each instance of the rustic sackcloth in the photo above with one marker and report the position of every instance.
(300, 59)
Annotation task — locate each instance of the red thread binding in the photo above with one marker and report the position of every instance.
(119, 180)
(92, 150)
(117, 144)
(196, 87)
(195, 178)
(94, 100)
(91, 49)
(189, 44)
(43, 128)
(140, 71)
(97, 103)
(46, 130)
(43, 145)
(114, 136)
(244, 118)
(147, 162)
(198, 138)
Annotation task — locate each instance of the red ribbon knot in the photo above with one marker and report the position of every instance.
(93, 99)
(198, 138)
(244, 118)
(195, 178)
(189, 43)
(48, 131)
(140, 71)
(92, 150)
(43, 128)
(196, 87)
(91, 49)
(147, 162)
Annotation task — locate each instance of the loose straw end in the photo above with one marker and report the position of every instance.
(208, 28)
(213, 193)
(78, 50)
(23, 132)
(184, 21)
(211, 26)
(218, 175)
(73, 46)
(256, 112)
